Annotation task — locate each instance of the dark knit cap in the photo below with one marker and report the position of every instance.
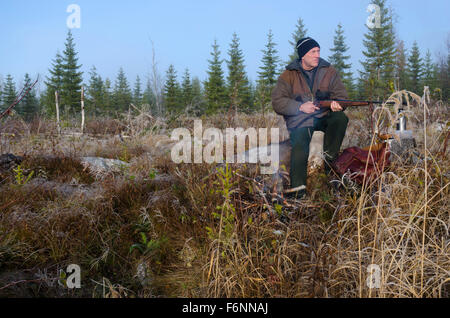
(305, 45)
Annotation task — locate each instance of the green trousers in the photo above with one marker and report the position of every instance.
(334, 126)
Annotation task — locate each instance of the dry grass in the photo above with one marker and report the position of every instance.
(198, 230)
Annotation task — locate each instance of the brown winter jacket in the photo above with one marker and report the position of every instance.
(292, 90)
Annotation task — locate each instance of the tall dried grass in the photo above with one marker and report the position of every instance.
(199, 230)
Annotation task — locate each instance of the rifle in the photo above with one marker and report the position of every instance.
(346, 103)
(323, 100)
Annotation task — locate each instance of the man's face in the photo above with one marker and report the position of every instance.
(311, 59)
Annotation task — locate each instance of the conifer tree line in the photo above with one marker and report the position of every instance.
(387, 66)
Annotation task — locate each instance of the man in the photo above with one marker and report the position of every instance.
(298, 86)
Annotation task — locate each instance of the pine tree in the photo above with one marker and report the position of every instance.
(122, 96)
(429, 72)
(378, 67)
(447, 84)
(186, 89)
(9, 92)
(108, 105)
(198, 102)
(215, 90)
(53, 84)
(447, 80)
(94, 93)
(238, 84)
(172, 91)
(340, 61)
(443, 76)
(400, 73)
(268, 74)
(148, 96)
(252, 96)
(72, 78)
(1, 91)
(415, 70)
(137, 93)
(299, 33)
(29, 105)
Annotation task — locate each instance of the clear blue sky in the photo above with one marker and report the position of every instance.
(119, 33)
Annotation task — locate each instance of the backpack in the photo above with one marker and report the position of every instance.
(353, 162)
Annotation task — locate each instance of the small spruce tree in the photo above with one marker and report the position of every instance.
(172, 91)
(340, 61)
(9, 92)
(299, 33)
(29, 105)
(122, 96)
(148, 97)
(239, 94)
(53, 84)
(108, 105)
(268, 74)
(400, 73)
(1, 90)
(215, 89)
(137, 92)
(415, 70)
(71, 78)
(95, 93)
(443, 78)
(186, 89)
(198, 102)
(377, 73)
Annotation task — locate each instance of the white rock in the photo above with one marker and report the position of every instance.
(103, 165)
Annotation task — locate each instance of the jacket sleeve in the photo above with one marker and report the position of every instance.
(283, 102)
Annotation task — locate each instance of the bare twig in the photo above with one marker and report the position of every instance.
(22, 281)
(19, 98)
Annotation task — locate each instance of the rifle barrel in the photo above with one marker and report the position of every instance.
(346, 103)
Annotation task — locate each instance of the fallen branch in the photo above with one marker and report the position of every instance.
(23, 281)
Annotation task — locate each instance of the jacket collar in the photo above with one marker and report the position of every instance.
(297, 66)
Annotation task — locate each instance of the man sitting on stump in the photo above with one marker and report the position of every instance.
(298, 86)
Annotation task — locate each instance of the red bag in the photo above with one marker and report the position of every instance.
(353, 161)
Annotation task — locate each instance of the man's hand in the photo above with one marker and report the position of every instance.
(308, 108)
(335, 106)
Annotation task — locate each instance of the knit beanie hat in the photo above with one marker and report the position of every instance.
(304, 45)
